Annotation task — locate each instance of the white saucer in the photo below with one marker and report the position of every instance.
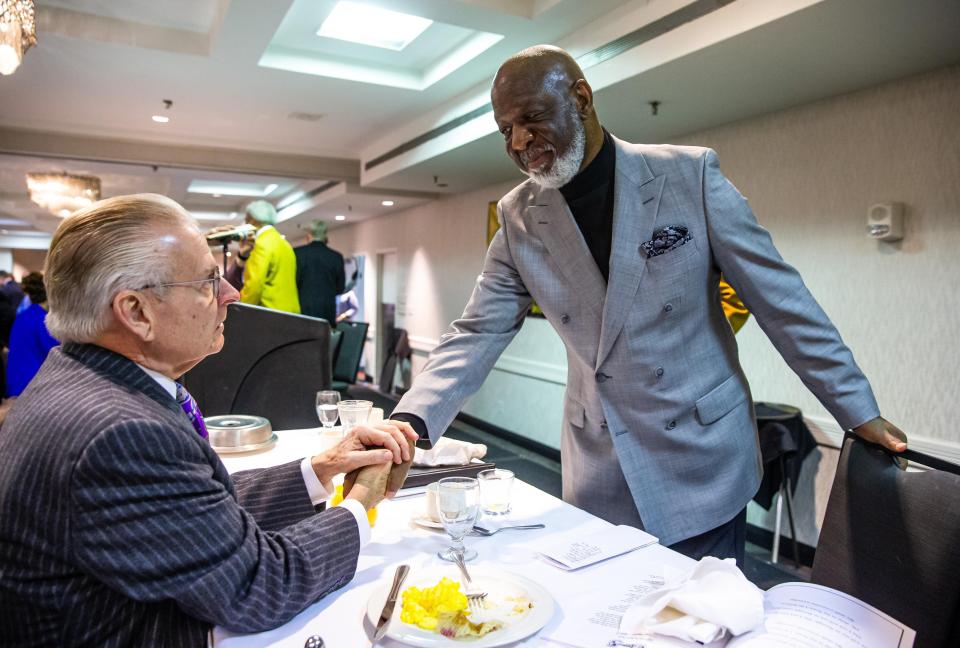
(424, 521)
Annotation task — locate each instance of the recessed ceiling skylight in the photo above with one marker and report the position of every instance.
(367, 25)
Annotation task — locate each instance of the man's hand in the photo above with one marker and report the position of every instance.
(398, 472)
(882, 432)
(368, 485)
(385, 443)
(395, 478)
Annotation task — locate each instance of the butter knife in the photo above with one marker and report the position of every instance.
(387, 612)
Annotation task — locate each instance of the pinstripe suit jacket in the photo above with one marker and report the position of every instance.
(659, 428)
(119, 526)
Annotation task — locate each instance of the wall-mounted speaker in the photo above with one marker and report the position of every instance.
(885, 221)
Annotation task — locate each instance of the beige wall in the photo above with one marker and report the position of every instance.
(810, 174)
(27, 261)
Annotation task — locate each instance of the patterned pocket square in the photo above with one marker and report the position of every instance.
(664, 240)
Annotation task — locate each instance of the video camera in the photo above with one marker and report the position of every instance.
(238, 233)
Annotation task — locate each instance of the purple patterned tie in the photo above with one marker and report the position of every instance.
(191, 410)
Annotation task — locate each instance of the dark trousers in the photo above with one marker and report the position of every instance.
(725, 541)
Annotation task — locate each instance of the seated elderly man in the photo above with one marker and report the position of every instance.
(119, 525)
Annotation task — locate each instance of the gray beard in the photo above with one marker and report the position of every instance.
(567, 166)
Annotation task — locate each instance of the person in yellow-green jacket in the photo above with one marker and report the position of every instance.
(270, 266)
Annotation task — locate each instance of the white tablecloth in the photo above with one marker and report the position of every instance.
(339, 618)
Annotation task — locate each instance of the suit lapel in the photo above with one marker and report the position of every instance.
(551, 220)
(636, 202)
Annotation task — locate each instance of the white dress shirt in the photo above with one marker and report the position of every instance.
(318, 492)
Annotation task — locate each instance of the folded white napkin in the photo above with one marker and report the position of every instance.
(698, 606)
(449, 452)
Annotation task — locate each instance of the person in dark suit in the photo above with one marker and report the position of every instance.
(119, 525)
(320, 276)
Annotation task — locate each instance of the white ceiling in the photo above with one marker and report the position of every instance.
(190, 15)
(102, 68)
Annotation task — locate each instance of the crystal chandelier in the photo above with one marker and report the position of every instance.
(18, 32)
(62, 193)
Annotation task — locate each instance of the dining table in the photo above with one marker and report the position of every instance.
(587, 602)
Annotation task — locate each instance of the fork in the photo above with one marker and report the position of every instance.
(473, 597)
(479, 530)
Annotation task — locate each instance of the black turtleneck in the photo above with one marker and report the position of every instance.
(590, 198)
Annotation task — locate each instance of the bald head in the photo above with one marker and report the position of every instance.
(543, 64)
(544, 109)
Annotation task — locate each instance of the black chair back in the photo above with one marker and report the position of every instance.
(399, 352)
(891, 538)
(336, 336)
(353, 338)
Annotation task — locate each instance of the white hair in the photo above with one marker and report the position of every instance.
(98, 252)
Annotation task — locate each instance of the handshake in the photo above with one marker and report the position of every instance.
(375, 459)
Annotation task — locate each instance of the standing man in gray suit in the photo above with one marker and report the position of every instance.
(622, 246)
(119, 525)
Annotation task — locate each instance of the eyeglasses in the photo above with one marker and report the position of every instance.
(215, 280)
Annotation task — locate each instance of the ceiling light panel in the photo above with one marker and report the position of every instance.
(368, 25)
(245, 189)
(33, 233)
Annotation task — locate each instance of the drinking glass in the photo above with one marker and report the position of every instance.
(353, 413)
(327, 407)
(495, 487)
(458, 502)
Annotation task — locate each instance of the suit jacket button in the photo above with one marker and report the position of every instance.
(671, 425)
(602, 377)
(659, 371)
(668, 308)
(565, 318)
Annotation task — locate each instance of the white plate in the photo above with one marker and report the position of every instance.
(424, 521)
(488, 579)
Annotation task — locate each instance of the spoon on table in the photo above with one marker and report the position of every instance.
(479, 530)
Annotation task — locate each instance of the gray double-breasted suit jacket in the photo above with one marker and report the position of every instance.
(658, 418)
(119, 525)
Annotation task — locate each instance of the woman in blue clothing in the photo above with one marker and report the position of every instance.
(29, 339)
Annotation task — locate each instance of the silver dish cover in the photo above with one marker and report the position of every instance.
(236, 430)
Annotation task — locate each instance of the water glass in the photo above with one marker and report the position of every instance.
(496, 485)
(458, 503)
(353, 413)
(327, 407)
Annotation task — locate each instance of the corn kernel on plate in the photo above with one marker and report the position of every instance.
(432, 610)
